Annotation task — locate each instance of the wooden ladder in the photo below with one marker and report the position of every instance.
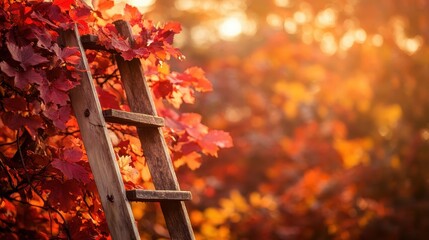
(101, 156)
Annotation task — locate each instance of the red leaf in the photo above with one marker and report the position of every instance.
(16, 121)
(173, 26)
(128, 55)
(15, 104)
(121, 45)
(71, 170)
(132, 14)
(162, 89)
(21, 79)
(214, 140)
(25, 55)
(68, 54)
(59, 116)
(195, 76)
(107, 99)
(220, 138)
(72, 155)
(64, 4)
(62, 194)
(56, 92)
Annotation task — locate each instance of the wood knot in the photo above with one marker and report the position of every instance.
(110, 197)
(86, 113)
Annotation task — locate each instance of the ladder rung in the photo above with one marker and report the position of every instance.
(89, 41)
(130, 118)
(140, 195)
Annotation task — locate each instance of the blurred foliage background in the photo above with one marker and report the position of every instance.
(327, 102)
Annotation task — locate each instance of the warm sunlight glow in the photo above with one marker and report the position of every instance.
(360, 35)
(411, 45)
(328, 44)
(326, 18)
(274, 20)
(347, 40)
(377, 40)
(299, 17)
(202, 36)
(141, 3)
(282, 3)
(230, 28)
(184, 4)
(290, 26)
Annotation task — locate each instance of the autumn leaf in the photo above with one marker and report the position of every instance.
(15, 104)
(64, 5)
(215, 139)
(71, 170)
(16, 121)
(58, 115)
(129, 173)
(196, 77)
(25, 55)
(22, 78)
(192, 160)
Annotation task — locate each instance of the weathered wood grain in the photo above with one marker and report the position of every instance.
(140, 195)
(153, 142)
(131, 118)
(99, 149)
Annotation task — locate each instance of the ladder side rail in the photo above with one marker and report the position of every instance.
(101, 156)
(152, 140)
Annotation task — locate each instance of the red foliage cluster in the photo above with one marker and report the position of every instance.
(47, 190)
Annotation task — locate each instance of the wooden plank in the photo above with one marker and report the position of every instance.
(153, 142)
(91, 42)
(99, 149)
(134, 119)
(140, 195)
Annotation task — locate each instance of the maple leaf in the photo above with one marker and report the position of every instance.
(16, 103)
(196, 77)
(129, 173)
(70, 55)
(64, 5)
(56, 91)
(21, 79)
(25, 55)
(192, 160)
(215, 139)
(62, 194)
(15, 121)
(107, 99)
(59, 116)
(162, 89)
(71, 170)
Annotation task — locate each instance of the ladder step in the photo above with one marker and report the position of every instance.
(139, 195)
(134, 119)
(89, 41)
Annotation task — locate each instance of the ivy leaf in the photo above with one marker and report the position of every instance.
(25, 55)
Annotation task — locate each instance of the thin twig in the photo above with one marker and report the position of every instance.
(67, 230)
